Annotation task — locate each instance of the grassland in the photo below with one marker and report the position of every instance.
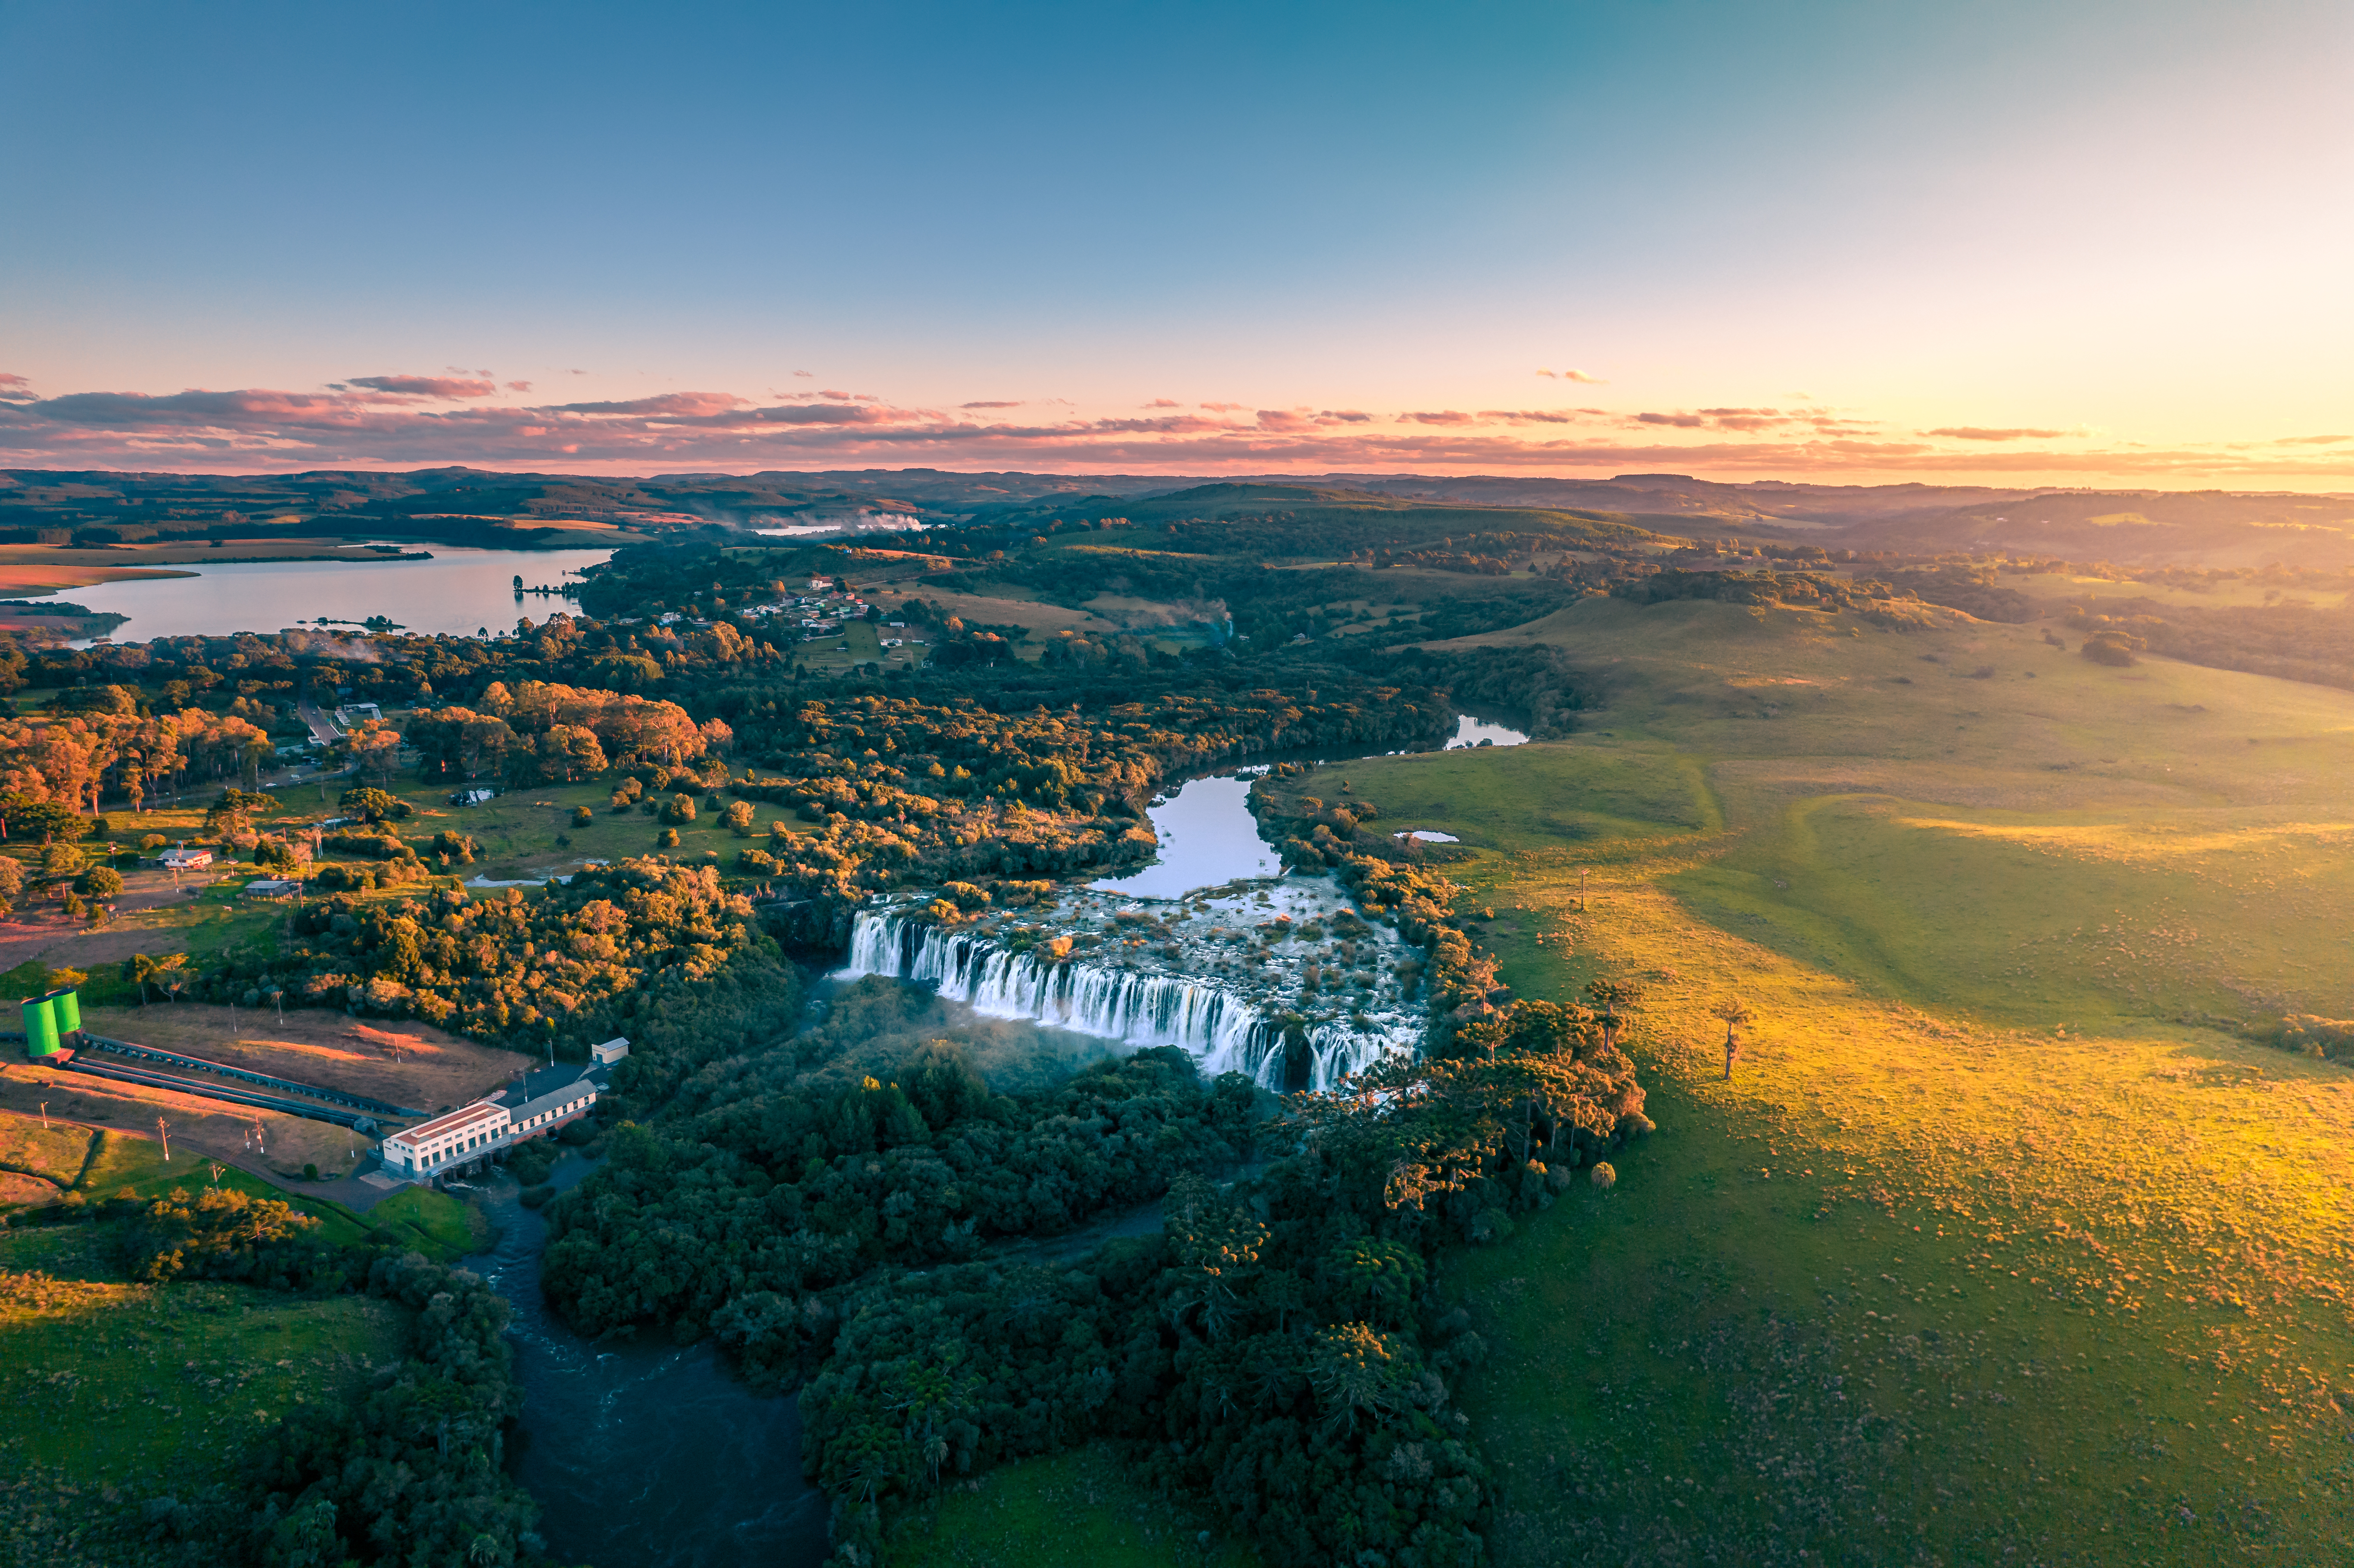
(121, 1391)
(1075, 1510)
(1995, 1249)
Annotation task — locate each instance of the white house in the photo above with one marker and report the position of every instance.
(182, 857)
(535, 1106)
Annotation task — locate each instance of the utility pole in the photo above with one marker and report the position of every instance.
(45, 1116)
(164, 1131)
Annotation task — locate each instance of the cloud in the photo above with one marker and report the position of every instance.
(995, 404)
(253, 429)
(806, 375)
(1225, 408)
(838, 396)
(518, 386)
(2282, 442)
(1980, 433)
(1164, 403)
(428, 386)
(1574, 375)
(14, 388)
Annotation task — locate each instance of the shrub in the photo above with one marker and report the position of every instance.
(666, 839)
(100, 882)
(582, 816)
(1604, 1175)
(151, 843)
(678, 809)
(738, 818)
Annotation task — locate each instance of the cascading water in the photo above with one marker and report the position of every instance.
(1228, 1030)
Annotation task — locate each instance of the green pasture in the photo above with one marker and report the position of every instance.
(1081, 1509)
(1995, 1249)
(121, 1391)
(436, 1223)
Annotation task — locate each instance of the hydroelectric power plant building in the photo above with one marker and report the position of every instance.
(536, 1105)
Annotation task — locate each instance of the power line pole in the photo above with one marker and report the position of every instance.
(164, 1131)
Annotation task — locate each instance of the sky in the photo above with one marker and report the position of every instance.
(2002, 242)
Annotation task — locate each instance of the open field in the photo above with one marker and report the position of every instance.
(122, 1390)
(1986, 1255)
(404, 1062)
(1075, 1510)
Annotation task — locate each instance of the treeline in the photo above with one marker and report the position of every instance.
(1277, 1347)
(2291, 641)
(409, 1470)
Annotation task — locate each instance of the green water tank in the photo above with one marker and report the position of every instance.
(40, 1027)
(68, 1007)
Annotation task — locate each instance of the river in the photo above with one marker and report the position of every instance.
(642, 1454)
(458, 592)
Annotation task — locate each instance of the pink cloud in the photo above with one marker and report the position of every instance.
(1574, 375)
(1980, 433)
(427, 385)
(518, 386)
(991, 405)
(803, 373)
(260, 428)
(1225, 408)
(1164, 403)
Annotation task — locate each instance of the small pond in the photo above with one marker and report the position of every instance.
(457, 593)
(1469, 731)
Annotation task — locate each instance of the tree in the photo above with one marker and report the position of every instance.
(1734, 1015)
(143, 971)
(100, 882)
(373, 805)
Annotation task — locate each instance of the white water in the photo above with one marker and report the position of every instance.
(1221, 1027)
(1207, 836)
(1469, 731)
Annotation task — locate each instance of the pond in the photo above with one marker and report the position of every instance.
(1209, 838)
(458, 592)
(642, 1454)
(1469, 731)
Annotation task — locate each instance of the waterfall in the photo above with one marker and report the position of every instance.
(1224, 1030)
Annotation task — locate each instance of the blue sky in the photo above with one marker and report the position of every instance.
(2121, 226)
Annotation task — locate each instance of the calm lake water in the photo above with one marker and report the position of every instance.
(1208, 836)
(458, 592)
(642, 1454)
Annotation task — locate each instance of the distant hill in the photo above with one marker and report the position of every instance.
(1269, 513)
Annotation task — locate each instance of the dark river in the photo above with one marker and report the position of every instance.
(642, 1454)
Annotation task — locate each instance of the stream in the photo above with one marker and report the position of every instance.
(642, 1454)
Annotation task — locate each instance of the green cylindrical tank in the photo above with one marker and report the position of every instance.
(40, 1027)
(66, 1005)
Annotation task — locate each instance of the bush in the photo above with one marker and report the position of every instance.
(151, 843)
(310, 1171)
(582, 816)
(678, 809)
(373, 805)
(100, 881)
(666, 839)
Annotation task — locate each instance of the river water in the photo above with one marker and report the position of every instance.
(640, 1454)
(458, 592)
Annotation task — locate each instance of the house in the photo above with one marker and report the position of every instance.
(353, 713)
(475, 795)
(274, 887)
(181, 857)
(610, 1051)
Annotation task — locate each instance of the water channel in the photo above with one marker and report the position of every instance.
(457, 593)
(642, 1454)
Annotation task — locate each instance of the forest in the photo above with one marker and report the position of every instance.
(842, 1205)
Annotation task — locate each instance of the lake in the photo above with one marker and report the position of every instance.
(458, 592)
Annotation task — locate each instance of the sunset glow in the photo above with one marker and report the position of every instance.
(2097, 247)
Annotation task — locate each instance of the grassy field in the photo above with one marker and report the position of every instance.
(1990, 1252)
(1075, 1510)
(1998, 1247)
(120, 1391)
